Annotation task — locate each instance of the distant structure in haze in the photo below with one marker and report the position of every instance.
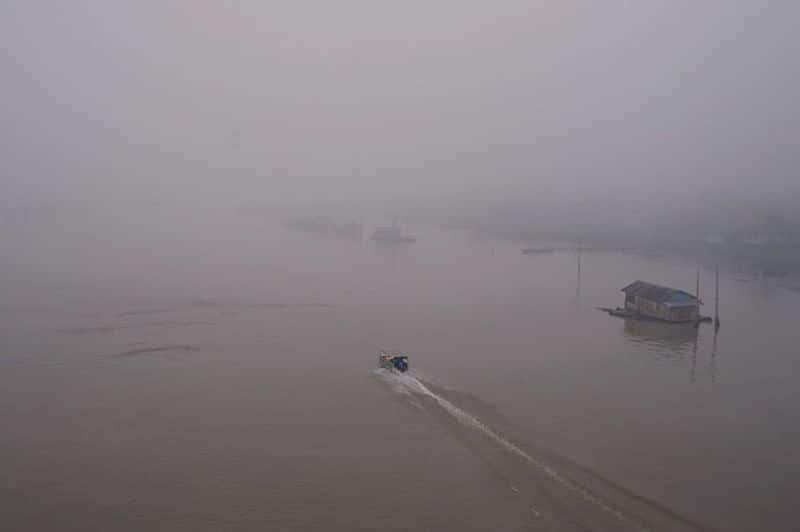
(661, 302)
(391, 235)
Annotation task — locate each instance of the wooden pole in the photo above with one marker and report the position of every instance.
(697, 295)
(697, 285)
(716, 297)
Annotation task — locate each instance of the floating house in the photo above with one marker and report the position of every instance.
(661, 302)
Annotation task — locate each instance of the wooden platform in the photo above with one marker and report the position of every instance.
(625, 313)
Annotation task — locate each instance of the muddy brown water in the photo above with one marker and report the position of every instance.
(248, 397)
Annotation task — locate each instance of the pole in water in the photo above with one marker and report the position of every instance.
(716, 297)
(697, 295)
(697, 284)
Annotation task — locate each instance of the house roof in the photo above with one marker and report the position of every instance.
(659, 294)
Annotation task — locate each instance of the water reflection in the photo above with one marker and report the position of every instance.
(672, 340)
(668, 339)
(693, 372)
(713, 362)
(391, 252)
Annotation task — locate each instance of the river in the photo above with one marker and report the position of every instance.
(218, 372)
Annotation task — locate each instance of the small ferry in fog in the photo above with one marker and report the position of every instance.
(393, 361)
(391, 234)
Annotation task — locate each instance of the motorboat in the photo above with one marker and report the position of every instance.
(393, 361)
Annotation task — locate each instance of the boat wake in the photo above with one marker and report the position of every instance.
(420, 393)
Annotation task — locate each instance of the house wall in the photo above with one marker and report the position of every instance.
(661, 311)
(684, 313)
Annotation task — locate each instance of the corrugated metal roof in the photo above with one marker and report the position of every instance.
(658, 293)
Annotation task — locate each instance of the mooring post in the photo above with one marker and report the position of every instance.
(697, 295)
(697, 285)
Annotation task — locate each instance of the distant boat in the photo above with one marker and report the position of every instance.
(534, 251)
(391, 234)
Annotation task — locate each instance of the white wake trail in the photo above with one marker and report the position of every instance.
(408, 384)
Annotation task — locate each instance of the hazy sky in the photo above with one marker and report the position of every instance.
(237, 101)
